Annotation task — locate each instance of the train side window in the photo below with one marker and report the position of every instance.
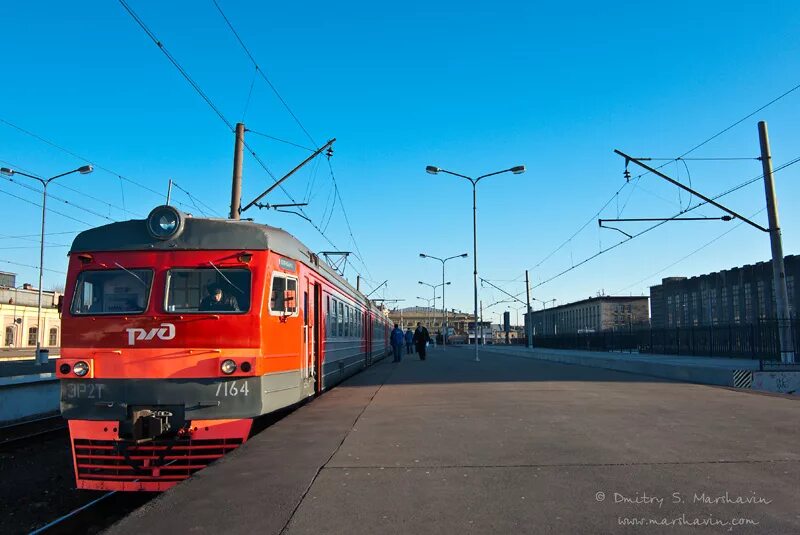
(328, 316)
(334, 319)
(283, 296)
(347, 320)
(340, 322)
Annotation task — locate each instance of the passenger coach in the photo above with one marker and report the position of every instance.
(179, 331)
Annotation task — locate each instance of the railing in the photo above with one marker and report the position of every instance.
(754, 341)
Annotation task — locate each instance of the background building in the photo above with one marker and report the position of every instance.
(18, 308)
(602, 313)
(431, 318)
(742, 295)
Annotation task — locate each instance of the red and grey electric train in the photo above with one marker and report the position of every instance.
(178, 331)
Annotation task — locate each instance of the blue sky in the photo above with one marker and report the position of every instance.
(473, 89)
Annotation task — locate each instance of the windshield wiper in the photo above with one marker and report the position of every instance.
(226, 278)
(128, 271)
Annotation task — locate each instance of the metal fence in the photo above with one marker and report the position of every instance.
(754, 341)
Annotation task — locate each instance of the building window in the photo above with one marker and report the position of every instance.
(723, 316)
(53, 337)
(32, 336)
(736, 307)
(9, 336)
(762, 300)
(790, 291)
(748, 303)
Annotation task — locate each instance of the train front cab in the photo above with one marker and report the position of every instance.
(155, 388)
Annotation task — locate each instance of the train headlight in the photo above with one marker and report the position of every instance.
(228, 366)
(65, 368)
(80, 368)
(164, 222)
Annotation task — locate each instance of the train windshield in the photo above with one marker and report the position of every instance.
(112, 291)
(216, 290)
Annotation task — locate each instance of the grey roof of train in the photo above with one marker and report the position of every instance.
(202, 234)
(197, 234)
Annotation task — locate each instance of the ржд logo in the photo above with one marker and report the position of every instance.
(165, 332)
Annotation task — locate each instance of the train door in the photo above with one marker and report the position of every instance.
(316, 337)
(309, 340)
(368, 336)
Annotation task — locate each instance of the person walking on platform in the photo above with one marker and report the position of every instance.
(421, 339)
(409, 341)
(397, 339)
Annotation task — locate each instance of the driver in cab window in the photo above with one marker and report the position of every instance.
(217, 300)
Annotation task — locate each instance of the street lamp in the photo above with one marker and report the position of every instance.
(84, 170)
(517, 170)
(430, 303)
(434, 286)
(444, 309)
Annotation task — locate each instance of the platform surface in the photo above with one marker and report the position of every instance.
(505, 445)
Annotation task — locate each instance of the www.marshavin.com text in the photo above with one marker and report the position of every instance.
(682, 520)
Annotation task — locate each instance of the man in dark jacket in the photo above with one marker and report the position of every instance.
(409, 341)
(421, 339)
(397, 338)
(217, 301)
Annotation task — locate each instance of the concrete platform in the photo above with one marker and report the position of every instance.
(507, 445)
(703, 370)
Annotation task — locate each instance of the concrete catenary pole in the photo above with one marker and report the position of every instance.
(528, 314)
(169, 192)
(236, 184)
(778, 270)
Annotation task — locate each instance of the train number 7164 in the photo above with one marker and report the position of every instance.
(228, 389)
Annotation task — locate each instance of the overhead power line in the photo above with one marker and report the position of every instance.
(222, 117)
(667, 162)
(177, 65)
(23, 199)
(263, 74)
(676, 262)
(648, 229)
(30, 266)
(83, 159)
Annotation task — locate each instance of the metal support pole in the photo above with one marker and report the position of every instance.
(444, 312)
(528, 315)
(236, 185)
(482, 340)
(169, 191)
(778, 270)
(475, 260)
(39, 357)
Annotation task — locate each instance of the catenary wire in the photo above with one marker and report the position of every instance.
(263, 74)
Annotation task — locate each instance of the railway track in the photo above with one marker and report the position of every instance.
(15, 435)
(96, 515)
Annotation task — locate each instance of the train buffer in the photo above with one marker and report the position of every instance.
(505, 445)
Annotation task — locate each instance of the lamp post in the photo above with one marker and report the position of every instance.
(517, 170)
(431, 303)
(84, 170)
(434, 286)
(444, 308)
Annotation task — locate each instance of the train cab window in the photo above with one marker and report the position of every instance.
(112, 291)
(208, 290)
(283, 297)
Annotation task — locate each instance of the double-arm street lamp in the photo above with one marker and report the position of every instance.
(444, 309)
(86, 169)
(434, 286)
(429, 303)
(517, 170)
